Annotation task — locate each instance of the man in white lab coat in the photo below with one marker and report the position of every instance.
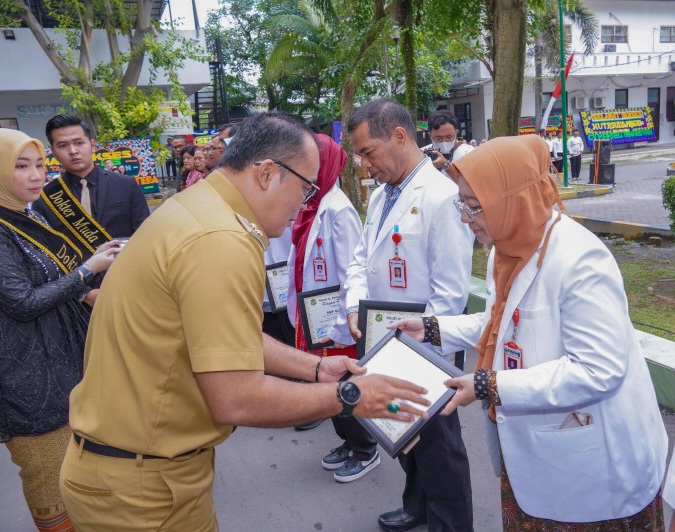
(413, 249)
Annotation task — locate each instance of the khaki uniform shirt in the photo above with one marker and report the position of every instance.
(183, 296)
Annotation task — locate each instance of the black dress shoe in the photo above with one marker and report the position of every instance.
(398, 520)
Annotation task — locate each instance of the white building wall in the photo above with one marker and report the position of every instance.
(30, 84)
(638, 65)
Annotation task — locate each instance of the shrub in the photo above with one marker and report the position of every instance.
(668, 191)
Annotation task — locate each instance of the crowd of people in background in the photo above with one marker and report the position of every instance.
(182, 346)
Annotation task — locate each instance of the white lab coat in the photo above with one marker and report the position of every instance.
(277, 251)
(436, 246)
(579, 353)
(338, 224)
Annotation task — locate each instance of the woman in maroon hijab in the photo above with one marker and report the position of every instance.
(324, 237)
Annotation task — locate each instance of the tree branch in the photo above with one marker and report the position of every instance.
(65, 70)
(143, 27)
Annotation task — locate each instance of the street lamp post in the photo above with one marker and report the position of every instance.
(563, 94)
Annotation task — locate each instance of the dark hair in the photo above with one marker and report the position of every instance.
(233, 130)
(179, 137)
(382, 116)
(438, 118)
(223, 127)
(61, 121)
(269, 135)
(187, 149)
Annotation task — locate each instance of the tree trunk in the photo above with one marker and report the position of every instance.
(350, 175)
(67, 74)
(143, 27)
(404, 16)
(538, 82)
(509, 34)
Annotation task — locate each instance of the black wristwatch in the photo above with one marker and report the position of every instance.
(87, 274)
(349, 395)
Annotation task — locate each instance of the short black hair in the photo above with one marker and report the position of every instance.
(439, 118)
(233, 130)
(188, 149)
(223, 127)
(382, 116)
(61, 121)
(269, 135)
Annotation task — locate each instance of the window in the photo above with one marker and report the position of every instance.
(667, 33)
(614, 34)
(621, 99)
(568, 34)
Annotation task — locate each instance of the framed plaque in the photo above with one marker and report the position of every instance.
(276, 284)
(398, 355)
(375, 316)
(318, 312)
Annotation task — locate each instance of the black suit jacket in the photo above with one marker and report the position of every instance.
(120, 204)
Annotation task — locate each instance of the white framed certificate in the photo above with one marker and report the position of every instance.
(398, 355)
(276, 284)
(319, 311)
(376, 316)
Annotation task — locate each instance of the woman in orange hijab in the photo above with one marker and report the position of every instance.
(559, 368)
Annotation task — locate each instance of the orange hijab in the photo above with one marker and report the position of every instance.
(511, 180)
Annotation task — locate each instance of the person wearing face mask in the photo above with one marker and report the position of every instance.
(444, 148)
(43, 324)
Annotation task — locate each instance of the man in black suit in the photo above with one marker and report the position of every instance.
(115, 201)
(90, 204)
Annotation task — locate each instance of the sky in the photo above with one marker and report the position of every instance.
(182, 9)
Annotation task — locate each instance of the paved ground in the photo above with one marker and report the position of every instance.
(272, 480)
(636, 197)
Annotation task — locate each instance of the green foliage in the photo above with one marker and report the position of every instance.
(105, 93)
(668, 192)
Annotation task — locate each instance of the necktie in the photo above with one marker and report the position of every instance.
(85, 199)
(392, 195)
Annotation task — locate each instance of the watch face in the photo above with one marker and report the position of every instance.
(350, 393)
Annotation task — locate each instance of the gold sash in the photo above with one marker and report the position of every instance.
(55, 245)
(77, 223)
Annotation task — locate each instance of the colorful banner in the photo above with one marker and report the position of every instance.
(132, 157)
(619, 126)
(527, 125)
(201, 136)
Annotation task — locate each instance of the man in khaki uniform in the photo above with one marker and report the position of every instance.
(175, 356)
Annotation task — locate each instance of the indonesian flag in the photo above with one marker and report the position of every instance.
(555, 94)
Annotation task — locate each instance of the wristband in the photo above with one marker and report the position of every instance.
(316, 373)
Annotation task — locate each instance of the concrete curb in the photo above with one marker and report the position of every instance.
(599, 190)
(627, 229)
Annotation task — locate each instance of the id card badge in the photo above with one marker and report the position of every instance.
(320, 272)
(513, 356)
(398, 277)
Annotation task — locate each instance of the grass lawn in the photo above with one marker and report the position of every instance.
(648, 272)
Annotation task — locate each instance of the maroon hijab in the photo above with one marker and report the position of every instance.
(332, 159)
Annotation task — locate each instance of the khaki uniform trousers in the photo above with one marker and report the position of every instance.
(105, 494)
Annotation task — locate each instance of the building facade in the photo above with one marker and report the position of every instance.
(633, 67)
(30, 85)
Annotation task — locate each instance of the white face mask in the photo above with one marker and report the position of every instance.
(443, 147)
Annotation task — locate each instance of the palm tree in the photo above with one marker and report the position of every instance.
(299, 50)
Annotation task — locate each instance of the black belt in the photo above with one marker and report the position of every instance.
(114, 452)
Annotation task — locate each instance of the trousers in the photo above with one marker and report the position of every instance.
(438, 480)
(105, 494)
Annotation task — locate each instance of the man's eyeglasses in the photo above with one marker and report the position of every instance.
(309, 194)
(463, 208)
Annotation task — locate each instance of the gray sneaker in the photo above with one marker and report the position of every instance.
(354, 469)
(336, 458)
